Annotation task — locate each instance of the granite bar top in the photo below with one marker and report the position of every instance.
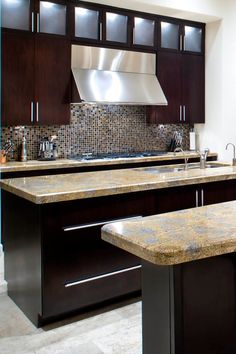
(177, 237)
(33, 165)
(65, 187)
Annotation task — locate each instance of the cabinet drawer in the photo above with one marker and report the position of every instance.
(81, 295)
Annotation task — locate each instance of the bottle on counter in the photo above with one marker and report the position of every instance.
(23, 156)
(54, 151)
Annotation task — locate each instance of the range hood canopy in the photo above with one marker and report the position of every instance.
(111, 76)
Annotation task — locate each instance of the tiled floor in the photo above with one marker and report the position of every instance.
(113, 330)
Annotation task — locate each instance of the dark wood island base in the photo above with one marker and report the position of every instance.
(190, 308)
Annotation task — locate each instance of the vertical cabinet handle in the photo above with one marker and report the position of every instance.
(180, 113)
(184, 116)
(202, 196)
(32, 112)
(197, 201)
(32, 22)
(37, 112)
(181, 42)
(38, 23)
(100, 31)
(184, 43)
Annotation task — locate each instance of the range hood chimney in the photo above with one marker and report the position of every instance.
(111, 76)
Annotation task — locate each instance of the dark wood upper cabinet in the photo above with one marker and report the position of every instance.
(182, 78)
(35, 79)
(169, 74)
(193, 73)
(17, 79)
(52, 80)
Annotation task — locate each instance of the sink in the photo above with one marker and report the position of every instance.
(170, 169)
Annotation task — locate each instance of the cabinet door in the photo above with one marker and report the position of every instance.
(52, 17)
(144, 32)
(176, 198)
(16, 14)
(52, 80)
(193, 88)
(116, 27)
(17, 78)
(193, 39)
(217, 192)
(170, 78)
(87, 22)
(170, 35)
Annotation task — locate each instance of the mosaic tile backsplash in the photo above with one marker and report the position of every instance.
(99, 129)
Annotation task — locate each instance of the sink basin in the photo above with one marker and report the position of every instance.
(170, 169)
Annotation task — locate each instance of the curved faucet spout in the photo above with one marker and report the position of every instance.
(234, 158)
(179, 149)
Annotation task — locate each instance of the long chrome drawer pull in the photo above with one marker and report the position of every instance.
(202, 196)
(101, 276)
(99, 223)
(197, 204)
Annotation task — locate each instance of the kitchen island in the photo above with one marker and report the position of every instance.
(55, 260)
(188, 278)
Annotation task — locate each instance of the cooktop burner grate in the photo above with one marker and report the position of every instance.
(117, 155)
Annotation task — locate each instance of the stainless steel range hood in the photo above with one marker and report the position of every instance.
(111, 76)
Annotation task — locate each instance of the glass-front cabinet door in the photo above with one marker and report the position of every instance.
(170, 35)
(116, 27)
(192, 39)
(52, 18)
(87, 23)
(16, 14)
(144, 32)
(36, 16)
(180, 36)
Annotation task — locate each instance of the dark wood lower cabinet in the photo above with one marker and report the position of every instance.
(55, 260)
(190, 308)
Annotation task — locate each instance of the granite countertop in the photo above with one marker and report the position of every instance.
(32, 165)
(65, 187)
(177, 237)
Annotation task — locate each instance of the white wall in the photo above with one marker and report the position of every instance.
(220, 127)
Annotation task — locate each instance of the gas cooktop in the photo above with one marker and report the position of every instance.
(123, 155)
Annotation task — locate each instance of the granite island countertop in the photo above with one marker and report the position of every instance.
(177, 237)
(66, 187)
(34, 165)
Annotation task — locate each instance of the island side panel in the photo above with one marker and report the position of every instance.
(190, 308)
(21, 242)
(158, 309)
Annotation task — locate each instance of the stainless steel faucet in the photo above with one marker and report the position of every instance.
(234, 158)
(179, 149)
(203, 158)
